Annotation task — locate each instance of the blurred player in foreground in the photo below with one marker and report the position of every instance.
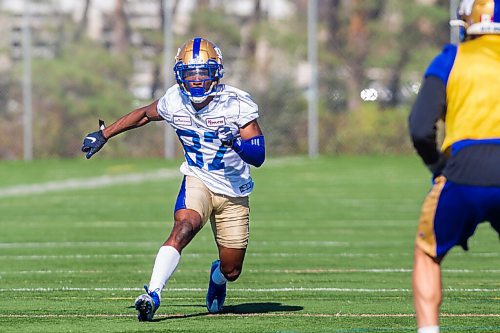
(461, 86)
(217, 127)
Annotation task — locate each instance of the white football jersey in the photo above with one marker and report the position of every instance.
(219, 167)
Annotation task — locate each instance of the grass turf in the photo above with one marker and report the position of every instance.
(330, 251)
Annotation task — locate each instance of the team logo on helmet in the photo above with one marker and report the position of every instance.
(198, 68)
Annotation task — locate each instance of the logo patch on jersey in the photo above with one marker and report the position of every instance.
(182, 120)
(246, 187)
(216, 122)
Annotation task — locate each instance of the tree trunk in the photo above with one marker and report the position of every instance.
(351, 43)
(82, 25)
(395, 80)
(120, 28)
(248, 47)
(156, 85)
(203, 3)
(357, 50)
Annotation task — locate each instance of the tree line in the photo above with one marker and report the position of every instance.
(384, 45)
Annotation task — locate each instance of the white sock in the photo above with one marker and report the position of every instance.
(166, 262)
(218, 277)
(428, 329)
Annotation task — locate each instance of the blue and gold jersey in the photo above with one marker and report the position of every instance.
(471, 74)
(461, 86)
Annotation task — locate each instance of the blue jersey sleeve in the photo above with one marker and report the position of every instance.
(441, 65)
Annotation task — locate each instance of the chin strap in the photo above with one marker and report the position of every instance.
(198, 100)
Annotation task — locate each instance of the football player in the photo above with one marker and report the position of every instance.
(461, 86)
(218, 129)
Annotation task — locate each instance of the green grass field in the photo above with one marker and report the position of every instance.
(330, 250)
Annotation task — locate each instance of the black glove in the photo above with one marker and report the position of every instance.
(93, 142)
(226, 136)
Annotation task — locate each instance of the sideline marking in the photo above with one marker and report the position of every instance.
(87, 183)
(106, 180)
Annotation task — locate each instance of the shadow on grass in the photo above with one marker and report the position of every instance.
(245, 308)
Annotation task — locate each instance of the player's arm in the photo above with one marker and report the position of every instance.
(250, 145)
(429, 106)
(93, 142)
(137, 118)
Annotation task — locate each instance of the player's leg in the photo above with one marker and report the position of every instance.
(450, 215)
(231, 262)
(230, 226)
(192, 209)
(186, 225)
(427, 290)
(426, 279)
(227, 268)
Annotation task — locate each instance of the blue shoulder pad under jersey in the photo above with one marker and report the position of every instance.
(442, 64)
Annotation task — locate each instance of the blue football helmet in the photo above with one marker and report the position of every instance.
(198, 69)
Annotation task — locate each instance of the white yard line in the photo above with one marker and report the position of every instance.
(21, 245)
(57, 271)
(204, 254)
(39, 245)
(260, 271)
(253, 290)
(277, 314)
